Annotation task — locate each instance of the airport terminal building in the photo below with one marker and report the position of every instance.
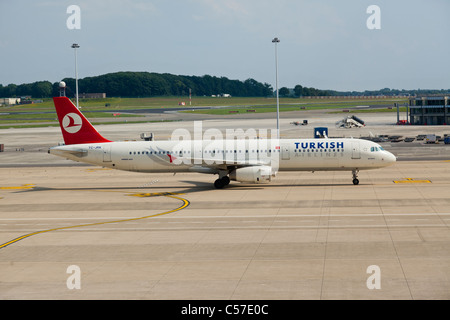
(429, 110)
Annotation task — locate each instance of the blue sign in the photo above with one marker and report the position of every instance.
(320, 132)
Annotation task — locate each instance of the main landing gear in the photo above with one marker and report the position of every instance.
(222, 182)
(355, 177)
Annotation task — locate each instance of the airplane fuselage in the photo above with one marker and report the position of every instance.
(188, 156)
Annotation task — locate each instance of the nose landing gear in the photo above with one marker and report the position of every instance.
(355, 176)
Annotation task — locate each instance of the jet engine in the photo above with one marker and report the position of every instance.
(257, 174)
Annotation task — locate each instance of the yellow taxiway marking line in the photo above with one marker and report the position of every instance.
(184, 205)
(411, 180)
(24, 186)
(153, 194)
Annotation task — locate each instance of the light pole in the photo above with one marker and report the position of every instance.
(76, 46)
(276, 41)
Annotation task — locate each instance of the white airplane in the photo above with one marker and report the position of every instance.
(245, 160)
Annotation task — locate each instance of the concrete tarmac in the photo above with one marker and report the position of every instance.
(159, 236)
(305, 236)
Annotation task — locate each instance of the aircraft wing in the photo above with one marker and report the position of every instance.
(219, 164)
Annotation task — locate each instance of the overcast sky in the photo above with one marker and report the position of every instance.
(325, 44)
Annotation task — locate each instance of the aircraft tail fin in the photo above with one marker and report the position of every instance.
(75, 128)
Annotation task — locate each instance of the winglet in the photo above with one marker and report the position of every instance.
(75, 128)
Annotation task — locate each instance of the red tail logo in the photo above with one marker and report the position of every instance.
(75, 128)
(72, 123)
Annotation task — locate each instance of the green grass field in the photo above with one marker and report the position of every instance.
(105, 108)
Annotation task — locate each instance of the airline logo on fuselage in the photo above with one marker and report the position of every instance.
(72, 122)
(319, 145)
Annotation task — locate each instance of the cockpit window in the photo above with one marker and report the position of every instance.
(375, 149)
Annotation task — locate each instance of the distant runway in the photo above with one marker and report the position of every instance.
(305, 236)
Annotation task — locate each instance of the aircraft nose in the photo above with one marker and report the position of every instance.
(390, 158)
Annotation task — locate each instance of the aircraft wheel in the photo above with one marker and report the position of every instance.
(225, 180)
(219, 184)
(355, 181)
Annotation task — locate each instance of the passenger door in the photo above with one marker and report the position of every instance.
(285, 152)
(356, 153)
(106, 153)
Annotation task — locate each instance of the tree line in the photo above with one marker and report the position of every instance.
(38, 89)
(146, 84)
(300, 91)
(143, 84)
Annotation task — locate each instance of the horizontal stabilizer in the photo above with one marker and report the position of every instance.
(64, 151)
